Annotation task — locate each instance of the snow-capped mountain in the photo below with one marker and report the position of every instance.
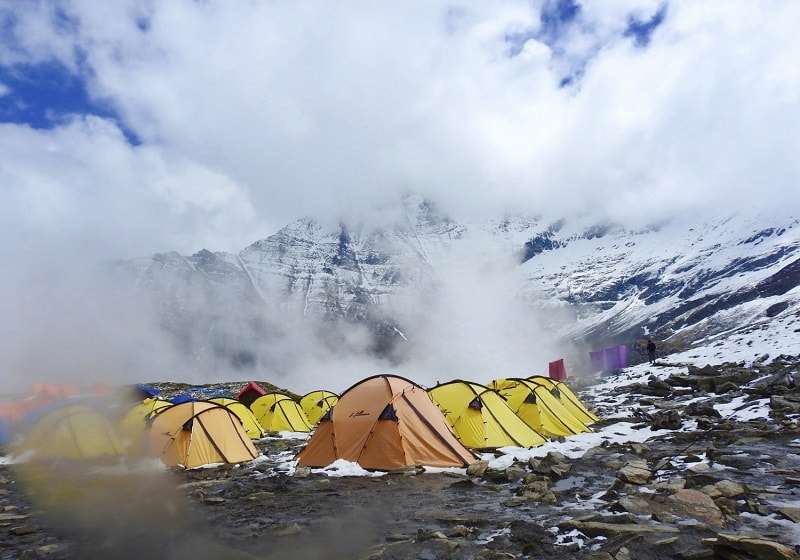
(587, 283)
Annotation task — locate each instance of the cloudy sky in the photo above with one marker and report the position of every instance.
(141, 126)
(137, 126)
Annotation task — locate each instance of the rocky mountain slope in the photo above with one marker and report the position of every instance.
(386, 279)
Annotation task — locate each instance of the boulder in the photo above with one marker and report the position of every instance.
(689, 503)
(635, 472)
(754, 546)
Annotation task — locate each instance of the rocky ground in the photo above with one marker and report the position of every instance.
(704, 486)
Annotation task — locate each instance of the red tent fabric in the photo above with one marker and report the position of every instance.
(250, 393)
(558, 370)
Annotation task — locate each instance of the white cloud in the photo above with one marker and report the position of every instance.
(311, 107)
(252, 114)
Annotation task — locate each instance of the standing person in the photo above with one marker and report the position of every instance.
(651, 351)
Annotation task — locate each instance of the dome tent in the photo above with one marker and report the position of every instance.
(538, 407)
(244, 414)
(385, 422)
(567, 397)
(481, 418)
(317, 403)
(199, 433)
(71, 429)
(277, 412)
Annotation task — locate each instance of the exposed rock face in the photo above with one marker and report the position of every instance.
(600, 283)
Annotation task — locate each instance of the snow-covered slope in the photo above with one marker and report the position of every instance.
(387, 278)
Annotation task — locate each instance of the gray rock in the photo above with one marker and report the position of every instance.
(635, 472)
(754, 546)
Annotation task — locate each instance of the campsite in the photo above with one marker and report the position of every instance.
(685, 461)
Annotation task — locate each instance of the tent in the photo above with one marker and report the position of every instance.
(199, 433)
(140, 391)
(244, 414)
(71, 430)
(537, 406)
(316, 403)
(277, 412)
(481, 418)
(249, 393)
(567, 397)
(135, 420)
(385, 422)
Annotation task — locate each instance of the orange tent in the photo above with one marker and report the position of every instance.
(197, 433)
(385, 422)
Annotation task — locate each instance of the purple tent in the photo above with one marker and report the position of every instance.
(613, 357)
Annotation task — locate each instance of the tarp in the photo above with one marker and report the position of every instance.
(385, 422)
(198, 433)
(277, 412)
(143, 391)
(481, 418)
(538, 407)
(316, 403)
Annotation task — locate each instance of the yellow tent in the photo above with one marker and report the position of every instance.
(197, 433)
(538, 407)
(568, 398)
(244, 414)
(316, 403)
(481, 418)
(135, 421)
(72, 431)
(277, 412)
(385, 422)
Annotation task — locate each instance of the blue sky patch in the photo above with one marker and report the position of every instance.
(641, 31)
(44, 95)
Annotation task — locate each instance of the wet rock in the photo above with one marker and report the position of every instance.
(755, 547)
(638, 505)
(553, 464)
(689, 503)
(514, 473)
(458, 531)
(790, 513)
(730, 489)
(426, 535)
(478, 468)
(610, 530)
(702, 408)
(536, 491)
(666, 420)
(536, 541)
(635, 472)
(22, 530)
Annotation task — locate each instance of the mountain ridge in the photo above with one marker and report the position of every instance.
(355, 287)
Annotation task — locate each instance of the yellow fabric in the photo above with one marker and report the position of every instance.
(316, 403)
(245, 415)
(538, 407)
(277, 412)
(412, 431)
(73, 431)
(568, 398)
(199, 433)
(135, 421)
(490, 424)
